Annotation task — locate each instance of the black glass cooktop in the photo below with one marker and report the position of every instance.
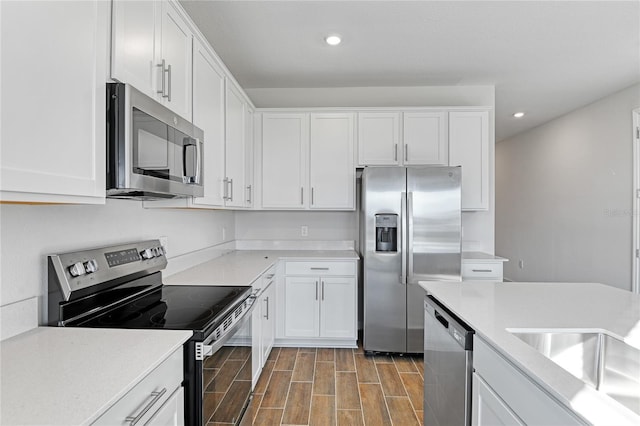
(197, 308)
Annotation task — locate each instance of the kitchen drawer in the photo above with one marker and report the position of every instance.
(524, 397)
(482, 271)
(320, 268)
(150, 394)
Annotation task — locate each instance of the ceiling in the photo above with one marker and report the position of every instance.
(545, 58)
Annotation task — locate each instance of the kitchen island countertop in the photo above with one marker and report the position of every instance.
(493, 307)
(243, 267)
(71, 376)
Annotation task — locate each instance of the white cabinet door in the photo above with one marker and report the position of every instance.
(488, 409)
(331, 168)
(469, 148)
(337, 307)
(134, 28)
(172, 411)
(285, 138)
(175, 50)
(301, 311)
(54, 71)
(236, 111)
(256, 343)
(268, 321)
(425, 138)
(208, 114)
(248, 157)
(378, 138)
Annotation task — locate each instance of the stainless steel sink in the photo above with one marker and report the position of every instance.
(598, 359)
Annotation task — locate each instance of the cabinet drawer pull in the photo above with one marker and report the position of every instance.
(156, 397)
(482, 270)
(270, 276)
(319, 269)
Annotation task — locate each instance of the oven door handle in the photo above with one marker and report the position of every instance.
(212, 344)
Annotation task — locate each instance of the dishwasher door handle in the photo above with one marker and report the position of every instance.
(442, 320)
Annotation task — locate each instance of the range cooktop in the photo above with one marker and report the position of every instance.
(196, 308)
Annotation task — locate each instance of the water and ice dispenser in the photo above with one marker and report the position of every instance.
(386, 232)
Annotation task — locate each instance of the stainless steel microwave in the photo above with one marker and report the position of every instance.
(152, 153)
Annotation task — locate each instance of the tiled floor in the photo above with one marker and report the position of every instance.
(301, 386)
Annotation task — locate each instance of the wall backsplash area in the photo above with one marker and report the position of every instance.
(30, 232)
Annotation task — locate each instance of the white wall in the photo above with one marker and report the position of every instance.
(564, 196)
(31, 232)
(276, 225)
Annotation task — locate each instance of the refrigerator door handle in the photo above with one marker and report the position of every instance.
(402, 235)
(409, 232)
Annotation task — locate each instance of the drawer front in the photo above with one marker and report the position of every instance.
(320, 268)
(151, 392)
(532, 404)
(482, 271)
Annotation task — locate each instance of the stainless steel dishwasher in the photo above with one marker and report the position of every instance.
(448, 367)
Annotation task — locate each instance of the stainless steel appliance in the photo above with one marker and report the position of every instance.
(410, 232)
(121, 287)
(152, 153)
(448, 367)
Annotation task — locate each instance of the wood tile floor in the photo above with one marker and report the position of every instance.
(307, 386)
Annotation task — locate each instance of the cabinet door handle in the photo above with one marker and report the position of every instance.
(225, 188)
(406, 152)
(169, 82)
(322, 289)
(250, 193)
(316, 290)
(482, 270)
(133, 420)
(312, 195)
(267, 301)
(230, 189)
(163, 70)
(395, 152)
(301, 196)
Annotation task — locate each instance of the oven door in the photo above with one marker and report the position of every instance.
(226, 373)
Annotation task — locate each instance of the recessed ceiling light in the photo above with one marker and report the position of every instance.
(518, 114)
(333, 40)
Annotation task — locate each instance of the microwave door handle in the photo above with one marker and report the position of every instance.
(186, 144)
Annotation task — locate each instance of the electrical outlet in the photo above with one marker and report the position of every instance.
(304, 231)
(521, 264)
(164, 241)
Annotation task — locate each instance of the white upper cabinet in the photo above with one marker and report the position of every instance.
(54, 71)
(175, 54)
(151, 50)
(285, 138)
(235, 144)
(331, 168)
(378, 138)
(208, 114)
(469, 148)
(425, 138)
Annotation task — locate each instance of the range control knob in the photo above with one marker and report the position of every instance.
(147, 253)
(77, 269)
(158, 251)
(91, 266)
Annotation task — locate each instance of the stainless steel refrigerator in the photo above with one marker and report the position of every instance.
(410, 231)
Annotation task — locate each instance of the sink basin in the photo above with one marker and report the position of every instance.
(608, 364)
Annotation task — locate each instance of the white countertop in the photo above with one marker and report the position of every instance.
(70, 376)
(242, 267)
(480, 257)
(492, 307)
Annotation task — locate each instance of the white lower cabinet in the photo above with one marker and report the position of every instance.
(320, 302)
(157, 399)
(263, 323)
(489, 409)
(503, 395)
(482, 271)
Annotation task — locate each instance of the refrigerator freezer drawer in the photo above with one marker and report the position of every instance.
(320, 268)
